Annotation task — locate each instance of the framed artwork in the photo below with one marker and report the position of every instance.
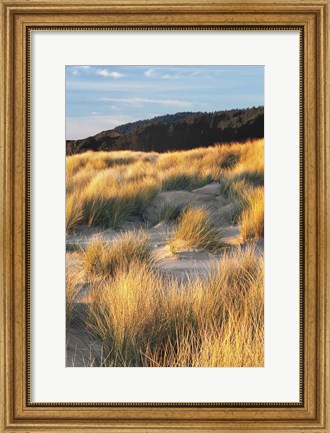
(165, 229)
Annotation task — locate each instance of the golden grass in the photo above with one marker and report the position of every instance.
(196, 231)
(141, 317)
(107, 201)
(169, 212)
(124, 312)
(210, 321)
(73, 212)
(251, 222)
(175, 180)
(73, 279)
(105, 258)
(114, 186)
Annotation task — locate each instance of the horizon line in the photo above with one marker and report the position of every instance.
(164, 115)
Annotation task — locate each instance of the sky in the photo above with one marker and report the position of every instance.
(102, 97)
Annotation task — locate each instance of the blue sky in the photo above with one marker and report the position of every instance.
(102, 97)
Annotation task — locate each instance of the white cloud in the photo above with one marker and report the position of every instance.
(141, 101)
(149, 73)
(105, 73)
(103, 85)
(166, 76)
(78, 69)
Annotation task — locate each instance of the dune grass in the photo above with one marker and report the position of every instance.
(169, 212)
(209, 321)
(174, 181)
(245, 188)
(73, 212)
(73, 280)
(113, 187)
(108, 203)
(141, 316)
(251, 221)
(124, 313)
(196, 231)
(105, 258)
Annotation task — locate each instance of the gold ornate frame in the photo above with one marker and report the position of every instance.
(311, 17)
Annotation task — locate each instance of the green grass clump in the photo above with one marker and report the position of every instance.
(177, 182)
(184, 181)
(169, 212)
(251, 178)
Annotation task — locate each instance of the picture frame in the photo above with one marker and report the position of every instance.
(18, 413)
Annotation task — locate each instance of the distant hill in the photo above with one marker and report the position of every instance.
(180, 131)
(167, 119)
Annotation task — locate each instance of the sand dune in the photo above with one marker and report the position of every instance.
(194, 209)
(82, 348)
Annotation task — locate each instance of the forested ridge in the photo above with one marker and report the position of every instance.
(180, 131)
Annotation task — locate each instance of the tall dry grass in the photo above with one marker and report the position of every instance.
(145, 318)
(216, 320)
(73, 212)
(106, 258)
(107, 201)
(195, 230)
(124, 313)
(114, 186)
(251, 221)
(73, 281)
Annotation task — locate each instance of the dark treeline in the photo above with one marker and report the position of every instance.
(179, 131)
(167, 119)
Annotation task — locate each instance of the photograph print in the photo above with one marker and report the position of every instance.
(164, 216)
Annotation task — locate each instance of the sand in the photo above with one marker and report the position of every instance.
(82, 348)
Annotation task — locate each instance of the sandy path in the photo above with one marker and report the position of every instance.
(82, 349)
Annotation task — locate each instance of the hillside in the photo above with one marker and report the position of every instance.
(179, 131)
